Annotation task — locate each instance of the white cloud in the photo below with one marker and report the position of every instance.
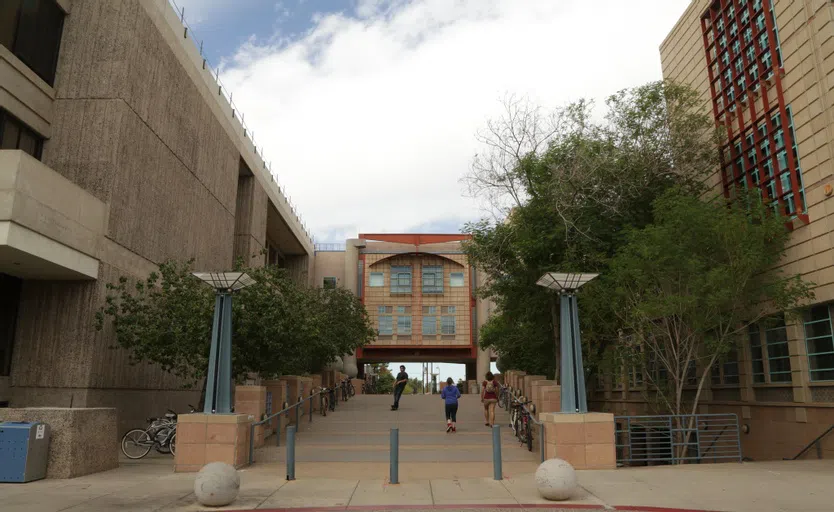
(369, 121)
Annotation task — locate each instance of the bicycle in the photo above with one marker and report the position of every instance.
(160, 434)
(522, 424)
(324, 401)
(504, 398)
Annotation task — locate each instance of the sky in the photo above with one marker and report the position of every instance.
(368, 109)
(444, 370)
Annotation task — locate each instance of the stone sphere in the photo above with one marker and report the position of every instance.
(217, 484)
(336, 365)
(556, 480)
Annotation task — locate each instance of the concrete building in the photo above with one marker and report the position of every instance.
(764, 69)
(419, 291)
(119, 151)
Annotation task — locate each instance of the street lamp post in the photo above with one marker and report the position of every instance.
(219, 378)
(574, 399)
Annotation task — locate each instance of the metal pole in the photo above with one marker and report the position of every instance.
(496, 452)
(251, 443)
(311, 406)
(278, 431)
(297, 406)
(568, 396)
(578, 368)
(541, 440)
(291, 453)
(395, 455)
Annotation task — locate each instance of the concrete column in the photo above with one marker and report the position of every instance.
(472, 370)
(482, 364)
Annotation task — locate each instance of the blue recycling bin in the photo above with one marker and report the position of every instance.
(24, 450)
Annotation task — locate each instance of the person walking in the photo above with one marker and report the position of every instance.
(450, 396)
(489, 397)
(399, 387)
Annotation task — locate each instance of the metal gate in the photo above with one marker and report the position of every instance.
(684, 439)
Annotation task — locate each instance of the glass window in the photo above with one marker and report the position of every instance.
(16, 135)
(401, 279)
(9, 303)
(448, 325)
(329, 283)
(820, 343)
(778, 356)
(404, 325)
(756, 353)
(32, 29)
(376, 279)
(456, 279)
(386, 325)
(432, 279)
(429, 325)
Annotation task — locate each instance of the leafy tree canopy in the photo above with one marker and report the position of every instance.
(280, 326)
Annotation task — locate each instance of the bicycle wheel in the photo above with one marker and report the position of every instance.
(351, 390)
(323, 405)
(529, 434)
(172, 444)
(136, 444)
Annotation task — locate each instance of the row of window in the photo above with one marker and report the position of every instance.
(401, 279)
(31, 30)
(432, 315)
(770, 359)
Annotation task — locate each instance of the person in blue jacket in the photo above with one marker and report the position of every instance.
(450, 396)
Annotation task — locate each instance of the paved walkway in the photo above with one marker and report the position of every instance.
(431, 476)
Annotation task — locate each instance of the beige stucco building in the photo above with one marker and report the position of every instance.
(419, 291)
(118, 151)
(764, 70)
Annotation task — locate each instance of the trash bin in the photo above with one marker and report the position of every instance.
(24, 449)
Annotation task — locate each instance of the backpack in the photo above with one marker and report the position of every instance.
(490, 387)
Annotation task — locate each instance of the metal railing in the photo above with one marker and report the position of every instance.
(298, 407)
(330, 247)
(689, 438)
(815, 443)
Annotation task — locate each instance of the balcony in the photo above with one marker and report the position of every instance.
(50, 228)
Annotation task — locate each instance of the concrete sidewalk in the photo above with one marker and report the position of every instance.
(802, 486)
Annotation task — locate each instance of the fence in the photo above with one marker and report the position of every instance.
(690, 438)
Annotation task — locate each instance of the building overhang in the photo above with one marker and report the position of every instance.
(49, 227)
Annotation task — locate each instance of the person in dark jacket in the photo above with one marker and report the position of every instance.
(450, 396)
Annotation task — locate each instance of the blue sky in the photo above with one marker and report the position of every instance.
(368, 109)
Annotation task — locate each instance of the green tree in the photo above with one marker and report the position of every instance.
(280, 327)
(567, 186)
(686, 288)
(413, 384)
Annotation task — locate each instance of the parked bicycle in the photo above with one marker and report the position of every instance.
(347, 389)
(521, 423)
(160, 434)
(327, 401)
(504, 397)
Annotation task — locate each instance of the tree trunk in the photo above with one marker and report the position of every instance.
(554, 313)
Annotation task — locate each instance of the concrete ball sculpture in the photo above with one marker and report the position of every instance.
(217, 484)
(556, 480)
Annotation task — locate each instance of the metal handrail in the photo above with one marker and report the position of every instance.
(269, 418)
(812, 443)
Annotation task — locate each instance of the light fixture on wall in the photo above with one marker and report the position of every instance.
(745, 428)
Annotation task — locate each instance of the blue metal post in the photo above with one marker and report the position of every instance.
(252, 443)
(496, 452)
(578, 368)
(291, 453)
(219, 385)
(395, 456)
(566, 377)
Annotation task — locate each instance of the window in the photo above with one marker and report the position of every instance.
(376, 280)
(756, 353)
(820, 343)
(401, 279)
(386, 325)
(725, 371)
(9, 301)
(16, 135)
(404, 325)
(432, 279)
(329, 283)
(778, 356)
(448, 325)
(31, 29)
(429, 325)
(456, 279)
